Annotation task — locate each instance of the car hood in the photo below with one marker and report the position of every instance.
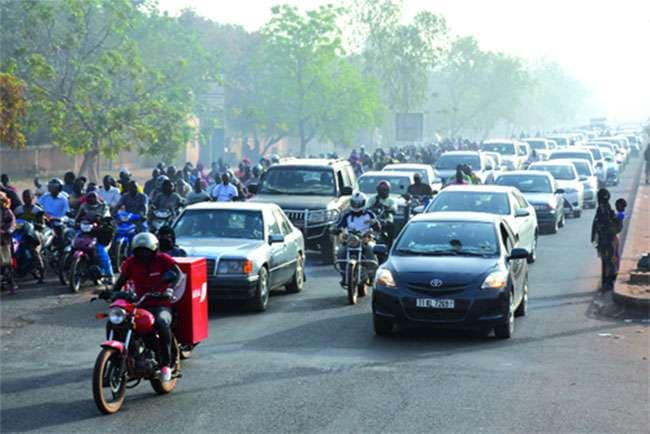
(217, 247)
(452, 270)
(576, 185)
(285, 201)
(539, 197)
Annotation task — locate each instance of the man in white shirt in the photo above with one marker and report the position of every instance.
(109, 193)
(224, 192)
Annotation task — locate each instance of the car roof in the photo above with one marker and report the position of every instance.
(526, 173)
(574, 160)
(468, 216)
(324, 162)
(541, 139)
(558, 162)
(380, 173)
(243, 206)
(407, 166)
(477, 153)
(490, 188)
(570, 151)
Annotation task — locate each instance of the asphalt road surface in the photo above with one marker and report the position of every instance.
(311, 363)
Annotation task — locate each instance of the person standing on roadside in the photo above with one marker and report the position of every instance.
(604, 234)
(7, 227)
(646, 157)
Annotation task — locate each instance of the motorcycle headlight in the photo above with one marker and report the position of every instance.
(385, 278)
(117, 315)
(235, 266)
(495, 280)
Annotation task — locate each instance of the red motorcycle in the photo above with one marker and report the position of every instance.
(131, 352)
(83, 263)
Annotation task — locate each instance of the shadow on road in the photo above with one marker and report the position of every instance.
(46, 415)
(17, 385)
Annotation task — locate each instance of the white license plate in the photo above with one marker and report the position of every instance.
(434, 304)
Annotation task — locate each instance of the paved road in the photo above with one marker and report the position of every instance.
(312, 364)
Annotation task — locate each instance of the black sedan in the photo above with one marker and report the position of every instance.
(542, 192)
(452, 270)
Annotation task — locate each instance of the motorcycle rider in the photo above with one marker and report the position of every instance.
(256, 174)
(225, 191)
(167, 240)
(167, 199)
(108, 192)
(55, 204)
(148, 269)
(383, 205)
(198, 194)
(96, 211)
(124, 178)
(418, 188)
(361, 220)
(150, 185)
(7, 227)
(34, 214)
(135, 202)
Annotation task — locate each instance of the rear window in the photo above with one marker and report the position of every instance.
(449, 162)
(398, 184)
(501, 148)
(563, 173)
(477, 201)
(537, 144)
(527, 184)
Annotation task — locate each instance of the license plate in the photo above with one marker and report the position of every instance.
(431, 303)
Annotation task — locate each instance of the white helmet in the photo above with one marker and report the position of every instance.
(145, 240)
(358, 201)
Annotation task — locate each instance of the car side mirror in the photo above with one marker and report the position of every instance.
(518, 253)
(522, 212)
(380, 249)
(276, 238)
(252, 188)
(418, 209)
(559, 191)
(346, 191)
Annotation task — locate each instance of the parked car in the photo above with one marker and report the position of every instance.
(251, 248)
(504, 201)
(447, 163)
(540, 190)
(399, 184)
(429, 176)
(568, 180)
(589, 181)
(452, 270)
(313, 193)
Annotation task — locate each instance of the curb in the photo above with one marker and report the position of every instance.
(617, 297)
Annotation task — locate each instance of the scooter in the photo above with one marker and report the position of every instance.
(84, 264)
(355, 268)
(28, 258)
(161, 217)
(125, 231)
(57, 251)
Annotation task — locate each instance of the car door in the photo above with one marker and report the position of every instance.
(279, 253)
(292, 244)
(525, 225)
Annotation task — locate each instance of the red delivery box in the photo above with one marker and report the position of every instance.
(192, 308)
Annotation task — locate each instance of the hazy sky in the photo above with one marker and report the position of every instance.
(604, 43)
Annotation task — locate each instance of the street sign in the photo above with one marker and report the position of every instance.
(408, 127)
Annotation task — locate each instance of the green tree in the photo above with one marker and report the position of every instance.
(12, 110)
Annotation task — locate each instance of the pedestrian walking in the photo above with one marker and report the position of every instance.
(604, 234)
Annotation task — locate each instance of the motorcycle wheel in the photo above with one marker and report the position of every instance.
(109, 387)
(353, 286)
(77, 271)
(164, 388)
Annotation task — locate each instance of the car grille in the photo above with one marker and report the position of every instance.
(297, 217)
(426, 288)
(450, 315)
(211, 263)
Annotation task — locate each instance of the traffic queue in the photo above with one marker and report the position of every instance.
(443, 234)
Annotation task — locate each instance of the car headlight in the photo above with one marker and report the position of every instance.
(235, 266)
(385, 278)
(117, 315)
(495, 280)
(316, 216)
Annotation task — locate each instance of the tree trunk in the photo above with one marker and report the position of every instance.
(89, 166)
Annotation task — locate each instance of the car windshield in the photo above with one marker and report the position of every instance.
(447, 239)
(477, 201)
(423, 172)
(559, 172)
(537, 144)
(582, 168)
(527, 184)
(583, 155)
(398, 184)
(501, 148)
(595, 152)
(450, 162)
(298, 180)
(220, 223)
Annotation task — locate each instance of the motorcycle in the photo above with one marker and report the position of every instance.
(161, 217)
(382, 236)
(28, 258)
(131, 352)
(354, 268)
(125, 231)
(57, 252)
(83, 261)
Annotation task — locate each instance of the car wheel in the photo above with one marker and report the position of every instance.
(262, 294)
(577, 213)
(298, 281)
(506, 329)
(382, 326)
(522, 309)
(532, 257)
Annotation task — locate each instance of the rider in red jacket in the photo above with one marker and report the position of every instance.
(152, 271)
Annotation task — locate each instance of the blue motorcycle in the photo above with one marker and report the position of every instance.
(126, 229)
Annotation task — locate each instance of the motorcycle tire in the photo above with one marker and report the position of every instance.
(353, 286)
(165, 388)
(107, 361)
(77, 271)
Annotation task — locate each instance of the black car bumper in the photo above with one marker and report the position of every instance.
(546, 218)
(471, 311)
(232, 287)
